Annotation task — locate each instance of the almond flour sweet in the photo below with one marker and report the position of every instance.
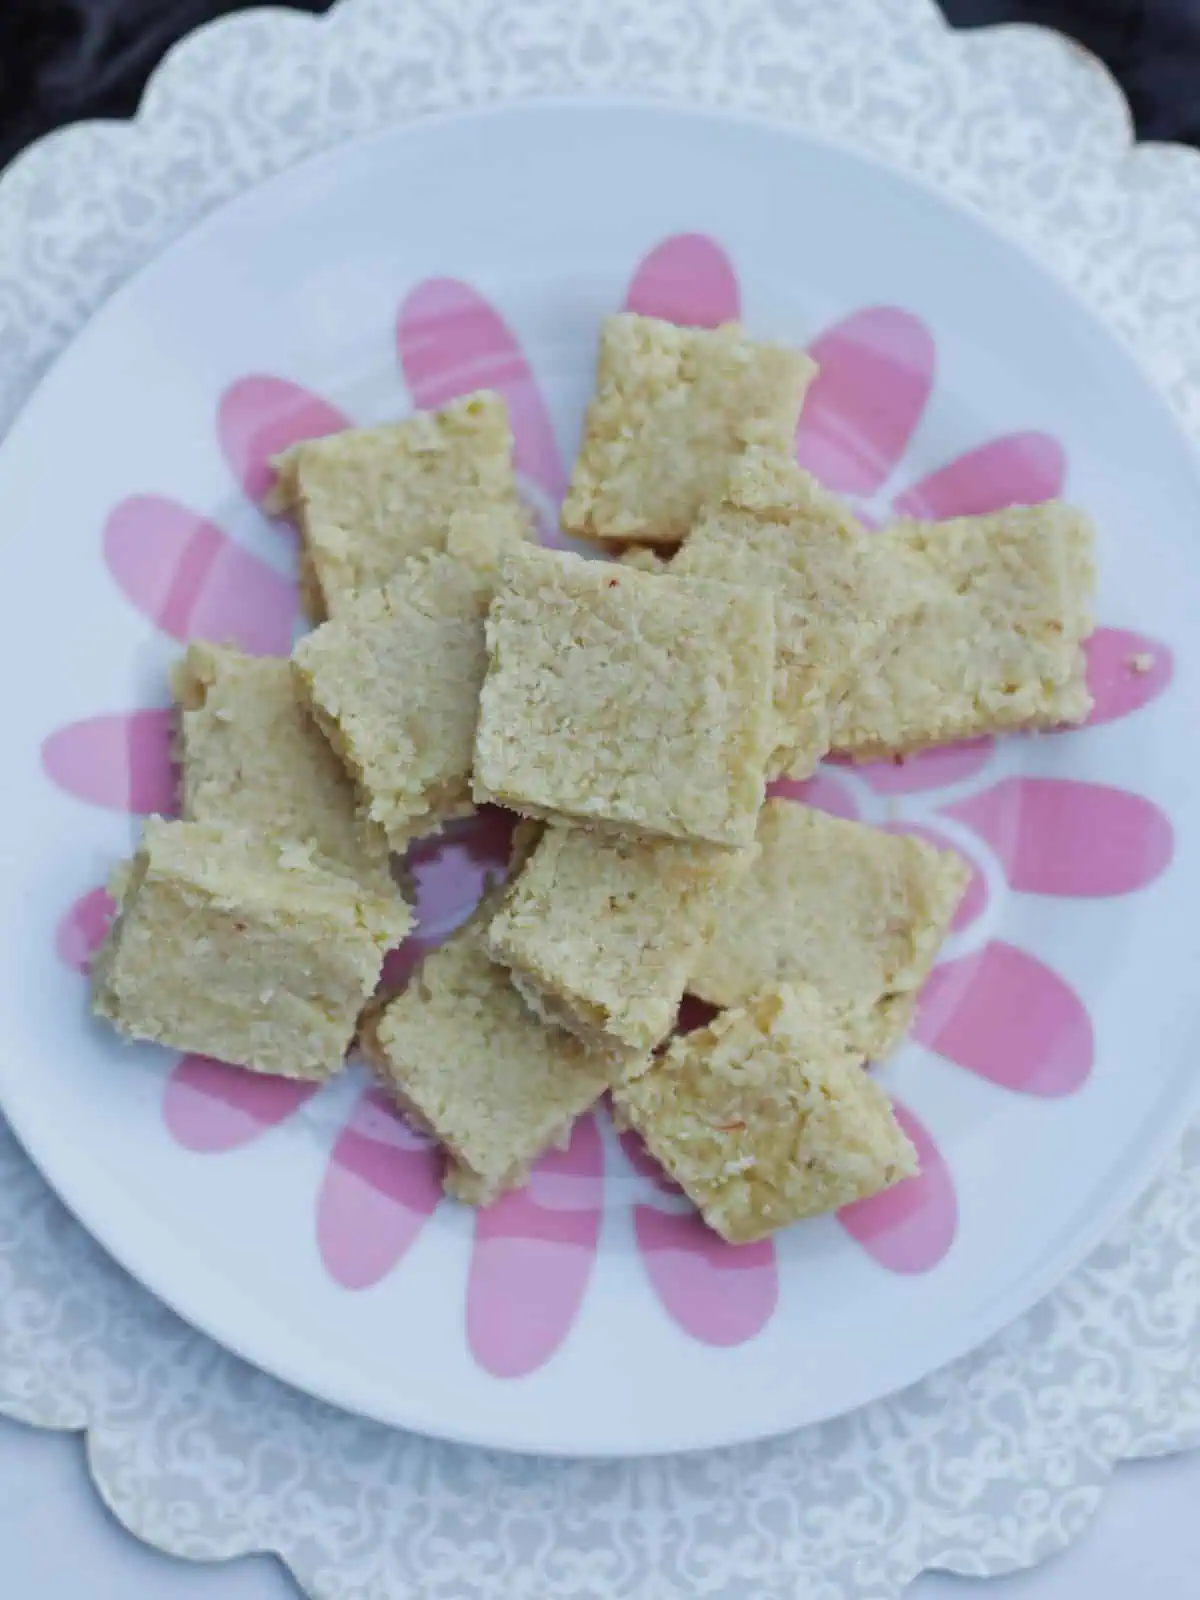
(854, 912)
(367, 500)
(393, 681)
(626, 700)
(251, 951)
(469, 1062)
(996, 610)
(250, 755)
(600, 932)
(674, 407)
(766, 1116)
(772, 525)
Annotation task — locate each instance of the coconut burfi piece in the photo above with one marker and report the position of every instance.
(673, 409)
(857, 913)
(470, 1063)
(256, 952)
(645, 559)
(393, 682)
(766, 1116)
(625, 699)
(367, 500)
(250, 755)
(775, 527)
(600, 932)
(996, 612)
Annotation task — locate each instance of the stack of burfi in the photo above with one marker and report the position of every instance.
(255, 929)
(632, 713)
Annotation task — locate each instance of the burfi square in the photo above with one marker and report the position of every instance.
(600, 932)
(250, 755)
(767, 1116)
(367, 500)
(468, 1061)
(775, 527)
(393, 682)
(257, 953)
(854, 912)
(626, 699)
(997, 610)
(674, 407)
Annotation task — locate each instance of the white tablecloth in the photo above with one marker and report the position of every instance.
(57, 1542)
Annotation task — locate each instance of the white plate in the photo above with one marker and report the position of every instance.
(1054, 1058)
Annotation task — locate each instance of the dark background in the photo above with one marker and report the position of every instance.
(65, 59)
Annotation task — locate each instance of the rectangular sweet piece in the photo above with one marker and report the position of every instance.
(367, 500)
(257, 953)
(626, 699)
(997, 611)
(766, 1116)
(775, 527)
(601, 931)
(393, 681)
(250, 755)
(466, 1058)
(857, 913)
(673, 409)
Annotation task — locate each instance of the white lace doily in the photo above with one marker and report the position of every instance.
(992, 1464)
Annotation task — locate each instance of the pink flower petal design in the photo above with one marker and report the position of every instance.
(911, 1227)
(190, 579)
(721, 1294)
(875, 379)
(121, 760)
(533, 1257)
(926, 769)
(1003, 1015)
(83, 928)
(450, 342)
(975, 896)
(1018, 470)
(687, 279)
(260, 416)
(822, 791)
(381, 1186)
(1054, 836)
(210, 1106)
(1125, 671)
(452, 869)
